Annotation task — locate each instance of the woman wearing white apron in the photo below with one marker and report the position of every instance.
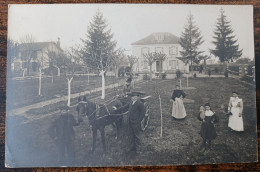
(178, 109)
(236, 108)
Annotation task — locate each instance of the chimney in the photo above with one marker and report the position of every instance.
(58, 42)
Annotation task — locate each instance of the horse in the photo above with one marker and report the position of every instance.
(99, 116)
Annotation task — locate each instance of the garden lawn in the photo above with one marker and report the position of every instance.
(180, 143)
(25, 92)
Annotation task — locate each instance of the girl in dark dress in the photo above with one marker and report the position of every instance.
(208, 132)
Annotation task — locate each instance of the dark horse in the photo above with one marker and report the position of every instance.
(99, 116)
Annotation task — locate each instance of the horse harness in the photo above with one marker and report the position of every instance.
(97, 111)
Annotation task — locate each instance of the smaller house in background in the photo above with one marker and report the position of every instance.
(31, 57)
(160, 42)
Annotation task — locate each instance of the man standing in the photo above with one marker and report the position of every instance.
(136, 114)
(61, 130)
(127, 87)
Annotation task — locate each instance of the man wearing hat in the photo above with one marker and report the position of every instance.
(136, 113)
(61, 130)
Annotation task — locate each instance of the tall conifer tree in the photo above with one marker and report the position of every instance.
(226, 47)
(190, 41)
(98, 47)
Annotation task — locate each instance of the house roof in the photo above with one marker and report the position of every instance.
(158, 38)
(36, 46)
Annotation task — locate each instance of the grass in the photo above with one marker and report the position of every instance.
(25, 92)
(180, 144)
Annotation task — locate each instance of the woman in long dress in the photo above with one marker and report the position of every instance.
(236, 108)
(178, 109)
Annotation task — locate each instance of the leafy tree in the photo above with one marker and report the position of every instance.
(226, 47)
(190, 41)
(98, 47)
(243, 61)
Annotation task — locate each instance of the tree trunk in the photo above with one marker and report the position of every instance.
(103, 84)
(191, 68)
(28, 67)
(116, 72)
(187, 80)
(58, 71)
(151, 72)
(160, 69)
(52, 77)
(205, 65)
(40, 82)
(69, 84)
(88, 76)
(23, 73)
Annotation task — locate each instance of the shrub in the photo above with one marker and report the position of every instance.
(247, 79)
(178, 74)
(209, 72)
(226, 73)
(164, 75)
(194, 75)
(235, 69)
(146, 77)
(216, 69)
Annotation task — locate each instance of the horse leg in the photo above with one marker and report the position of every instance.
(94, 135)
(102, 131)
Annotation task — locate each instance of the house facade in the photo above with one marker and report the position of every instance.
(31, 57)
(162, 42)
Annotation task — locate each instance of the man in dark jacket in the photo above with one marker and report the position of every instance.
(136, 114)
(61, 130)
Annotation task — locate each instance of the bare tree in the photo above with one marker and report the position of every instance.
(27, 49)
(132, 60)
(70, 62)
(11, 53)
(41, 60)
(117, 60)
(150, 58)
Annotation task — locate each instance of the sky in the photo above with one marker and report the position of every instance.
(128, 22)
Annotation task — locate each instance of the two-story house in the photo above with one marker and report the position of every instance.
(34, 56)
(160, 42)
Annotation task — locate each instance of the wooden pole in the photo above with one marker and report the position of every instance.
(161, 114)
(40, 82)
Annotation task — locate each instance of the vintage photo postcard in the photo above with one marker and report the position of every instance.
(96, 85)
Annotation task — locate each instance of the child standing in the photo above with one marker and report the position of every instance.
(207, 132)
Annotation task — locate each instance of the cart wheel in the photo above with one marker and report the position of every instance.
(144, 122)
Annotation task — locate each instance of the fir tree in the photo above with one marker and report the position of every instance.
(226, 47)
(98, 47)
(190, 41)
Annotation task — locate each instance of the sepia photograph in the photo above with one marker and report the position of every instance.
(99, 85)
